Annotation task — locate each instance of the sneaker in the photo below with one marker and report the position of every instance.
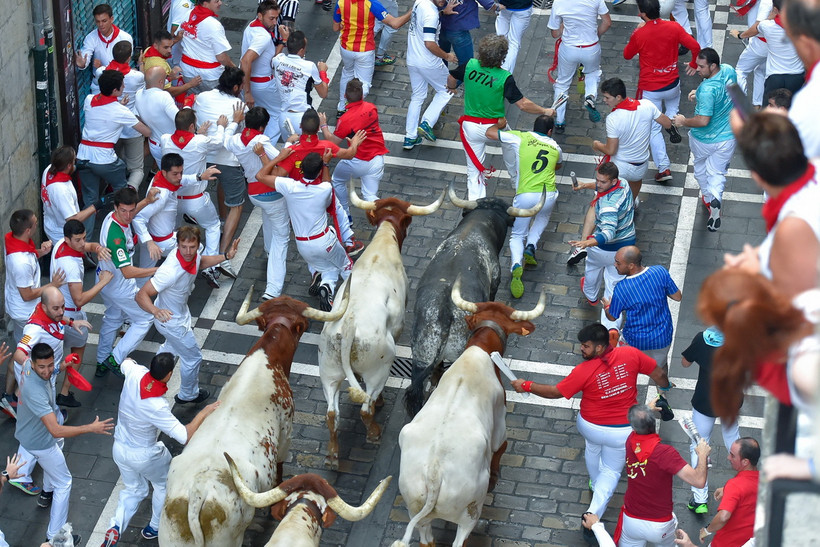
(340, 113)
(8, 405)
(706, 204)
(385, 60)
(188, 219)
(592, 303)
(112, 365)
(28, 487)
(529, 255)
(409, 143)
(315, 281)
(325, 298)
(663, 176)
(202, 397)
(427, 132)
(697, 507)
(226, 268)
(101, 371)
(560, 128)
(547, 4)
(637, 202)
(210, 278)
(674, 135)
(150, 533)
(714, 216)
(68, 400)
(614, 337)
(591, 489)
(354, 248)
(265, 297)
(589, 104)
(44, 500)
(617, 2)
(516, 285)
(327, 5)
(112, 536)
(576, 255)
(682, 49)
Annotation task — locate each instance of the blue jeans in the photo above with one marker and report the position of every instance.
(460, 41)
(92, 175)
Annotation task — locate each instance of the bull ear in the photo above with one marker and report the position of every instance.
(279, 509)
(328, 517)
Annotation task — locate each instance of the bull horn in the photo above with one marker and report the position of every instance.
(517, 212)
(244, 316)
(533, 313)
(334, 314)
(354, 514)
(455, 294)
(356, 201)
(254, 499)
(457, 201)
(418, 210)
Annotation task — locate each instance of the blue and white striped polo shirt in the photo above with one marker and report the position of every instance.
(643, 297)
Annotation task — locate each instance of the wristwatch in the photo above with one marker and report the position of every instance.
(5, 474)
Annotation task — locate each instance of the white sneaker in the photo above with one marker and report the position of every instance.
(576, 255)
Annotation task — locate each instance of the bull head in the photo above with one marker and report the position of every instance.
(243, 317)
(412, 210)
(307, 482)
(471, 204)
(515, 315)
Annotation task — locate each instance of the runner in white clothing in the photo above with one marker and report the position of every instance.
(179, 12)
(141, 458)
(204, 45)
(753, 58)
(425, 63)
(59, 196)
(171, 285)
(98, 44)
(157, 109)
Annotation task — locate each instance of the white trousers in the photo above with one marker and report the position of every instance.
(326, 256)
(420, 78)
(138, 467)
(56, 479)
(26, 456)
(370, 173)
(569, 57)
(276, 234)
(512, 24)
(600, 267)
(180, 341)
(605, 455)
(387, 31)
(529, 229)
(266, 95)
(117, 309)
(667, 102)
(355, 64)
(72, 338)
(704, 424)
(202, 210)
(475, 135)
(637, 532)
(753, 61)
(132, 152)
(629, 171)
(703, 20)
(295, 120)
(156, 152)
(711, 162)
(145, 260)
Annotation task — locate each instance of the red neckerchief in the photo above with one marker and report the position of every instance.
(57, 177)
(42, 320)
(189, 267)
(113, 36)
(771, 209)
(14, 245)
(153, 52)
(248, 135)
(642, 445)
(182, 138)
(101, 100)
(198, 14)
(125, 68)
(256, 23)
(599, 195)
(161, 182)
(778, 21)
(64, 250)
(627, 104)
(149, 387)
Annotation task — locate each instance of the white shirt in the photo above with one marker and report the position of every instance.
(249, 160)
(193, 155)
(307, 205)
(103, 123)
(120, 240)
(139, 421)
(805, 115)
(209, 42)
(70, 261)
(424, 27)
(59, 202)
(95, 48)
(23, 271)
(157, 109)
(782, 58)
(179, 13)
(293, 76)
(174, 285)
(580, 19)
(632, 129)
(159, 219)
(764, 10)
(259, 40)
(210, 105)
(133, 83)
(34, 334)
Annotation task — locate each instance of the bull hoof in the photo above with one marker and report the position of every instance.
(332, 462)
(380, 401)
(374, 433)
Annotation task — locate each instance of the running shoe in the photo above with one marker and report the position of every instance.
(68, 400)
(325, 298)
(385, 60)
(201, 398)
(409, 143)
(592, 112)
(226, 268)
(663, 176)
(674, 135)
(354, 248)
(315, 281)
(210, 278)
(112, 537)
(28, 487)
(44, 500)
(149, 533)
(697, 507)
(576, 255)
(8, 404)
(714, 216)
(560, 128)
(592, 303)
(426, 131)
(516, 285)
(529, 255)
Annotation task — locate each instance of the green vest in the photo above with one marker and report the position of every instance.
(484, 90)
(537, 158)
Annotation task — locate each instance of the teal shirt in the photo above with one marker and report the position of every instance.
(713, 100)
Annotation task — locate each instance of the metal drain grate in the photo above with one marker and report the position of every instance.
(402, 367)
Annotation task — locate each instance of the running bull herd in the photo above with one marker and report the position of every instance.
(450, 451)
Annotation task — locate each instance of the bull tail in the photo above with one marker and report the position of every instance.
(354, 390)
(434, 480)
(414, 395)
(195, 502)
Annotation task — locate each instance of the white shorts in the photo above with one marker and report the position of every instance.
(637, 532)
(630, 172)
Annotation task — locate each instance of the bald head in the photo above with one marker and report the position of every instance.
(628, 260)
(53, 303)
(155, 77)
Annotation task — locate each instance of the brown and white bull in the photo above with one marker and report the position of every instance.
(304, 504)
(254, 422)
(363, 341)
(451, 450)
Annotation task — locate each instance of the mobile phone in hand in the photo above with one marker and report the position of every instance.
(740, 101)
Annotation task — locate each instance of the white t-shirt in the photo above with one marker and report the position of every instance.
(210, 105)
(295, 77)
(160, 217)
(139, 421)
(59, 202)
(259, 40)
(209, 42)
(95, 48)
(179, 13)
(250, 162)
(70, 261)
(121, 241)
(157, 109)
(424, 26)
(23, 271)
(632, 129)
(782, 58)
(764, 9)
(580, 19)
(103, 123)
(805, 115)
(307, 205)
(53, 335)
(174, 285)
(193, 156)
(133, 83)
